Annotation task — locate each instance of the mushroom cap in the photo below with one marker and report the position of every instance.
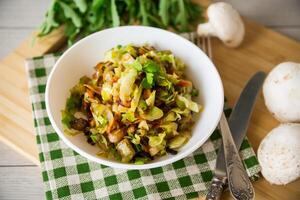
(281, 92)
(227, 23)
(279, 156)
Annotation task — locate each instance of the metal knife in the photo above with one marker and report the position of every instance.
(238, 123)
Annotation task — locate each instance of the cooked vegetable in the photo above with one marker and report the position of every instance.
(79, 124)
(125, 150)
(83, 17)
(130, 115)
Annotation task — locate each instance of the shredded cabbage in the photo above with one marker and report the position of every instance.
(126, 83)
(137, 106)
(177, 141)
(150, 101)
(189, 103)
(153, 114)
(106, 92)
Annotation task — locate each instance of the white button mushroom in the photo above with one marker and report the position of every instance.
(281, 92)
(279, 156)
(225, 23)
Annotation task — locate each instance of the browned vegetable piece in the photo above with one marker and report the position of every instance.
(93, 89)
(184, 83)
(125, 149)
(92, 123)
(131, 129)
(146, 93)
(116, 136)
(79, 124)
(112, 124)
(153, 151)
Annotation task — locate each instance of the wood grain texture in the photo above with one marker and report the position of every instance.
(11, 189)
(15, 109)
(263, 46)
(262, 49)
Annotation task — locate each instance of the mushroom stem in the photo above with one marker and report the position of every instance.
(225, 23)
(206, 29)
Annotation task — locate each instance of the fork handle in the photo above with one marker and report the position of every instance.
(216, 189)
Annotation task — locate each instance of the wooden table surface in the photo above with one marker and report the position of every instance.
(20, 178)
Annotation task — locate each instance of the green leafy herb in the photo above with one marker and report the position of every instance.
(164, 6)
(81, 4)
(83, 17)
(71, 14)
(151, 67)
(114, 13)
(137, 65)
(146, 84)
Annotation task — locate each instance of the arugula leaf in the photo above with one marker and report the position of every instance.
(71, 14)
(50, 22)
(132, 9)
(71, 31)
(81, 4)
(114, 13)
(89, 16)
(143, 13)
(97, 4)
(182, 16)
(164, 11)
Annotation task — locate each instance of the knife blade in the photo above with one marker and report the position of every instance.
(238, 123)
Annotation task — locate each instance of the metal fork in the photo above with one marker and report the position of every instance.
(202, 42)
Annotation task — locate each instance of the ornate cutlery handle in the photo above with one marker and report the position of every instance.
(238, 180)
(216, 189)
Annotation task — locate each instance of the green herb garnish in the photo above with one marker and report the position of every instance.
(83, 17)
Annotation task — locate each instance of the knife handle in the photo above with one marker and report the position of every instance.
(238, 181)
(216, 189)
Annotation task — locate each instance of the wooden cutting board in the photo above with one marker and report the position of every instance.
(261, 50)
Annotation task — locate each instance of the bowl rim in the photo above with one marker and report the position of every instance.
(132, 166)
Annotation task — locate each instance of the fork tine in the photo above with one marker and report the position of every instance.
(199, 43)
(193, 37)
(203, 44)
(209, 48)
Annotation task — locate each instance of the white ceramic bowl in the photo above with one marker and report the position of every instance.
(81, 57)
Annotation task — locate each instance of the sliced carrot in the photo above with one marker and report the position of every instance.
(184, 83)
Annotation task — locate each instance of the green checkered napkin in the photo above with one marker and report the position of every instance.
(67, 175)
